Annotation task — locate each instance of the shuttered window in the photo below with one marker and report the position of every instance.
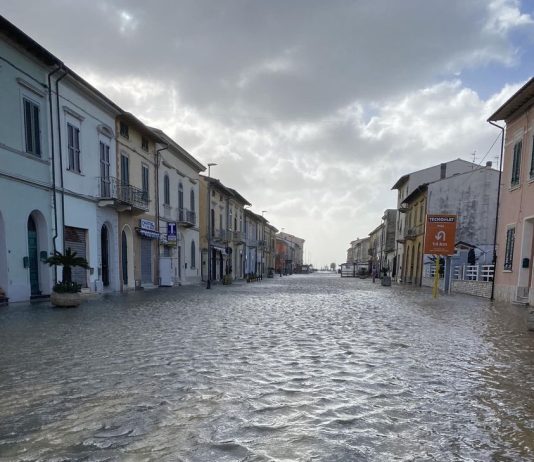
(32, 129)
(532, 161)
(73, 139)
(509, 249)
(166, 190)
(193, 255)
(516, 164)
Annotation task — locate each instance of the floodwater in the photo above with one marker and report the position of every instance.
(300, 368)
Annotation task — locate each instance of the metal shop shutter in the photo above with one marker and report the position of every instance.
(76, 239)
(146, 261)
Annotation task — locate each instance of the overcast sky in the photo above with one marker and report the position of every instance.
(312, 109)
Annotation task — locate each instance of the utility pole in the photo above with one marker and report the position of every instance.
(208, 208)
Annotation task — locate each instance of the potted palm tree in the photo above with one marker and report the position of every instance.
(66, 293)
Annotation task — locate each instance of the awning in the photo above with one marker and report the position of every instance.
(147, 233)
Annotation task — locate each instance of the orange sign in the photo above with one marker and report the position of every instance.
(440, 234)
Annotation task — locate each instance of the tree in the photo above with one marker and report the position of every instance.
(333, 266)
(68, 260)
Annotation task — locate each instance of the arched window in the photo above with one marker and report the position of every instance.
(193, 255)
(192, 200)
(166, 190)
(181, 201)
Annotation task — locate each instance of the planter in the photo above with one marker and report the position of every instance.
(386, 281)
(65, 300)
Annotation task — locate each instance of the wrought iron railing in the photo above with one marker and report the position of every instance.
(113, 188)
(187, 216)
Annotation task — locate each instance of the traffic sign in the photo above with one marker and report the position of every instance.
(440, 234)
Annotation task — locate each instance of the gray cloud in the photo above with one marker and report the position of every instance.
(312, 109)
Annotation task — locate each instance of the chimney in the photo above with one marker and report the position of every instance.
(443, 171)
(489, 164)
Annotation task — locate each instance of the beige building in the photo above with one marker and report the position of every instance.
(136, 203)
(222, 231)
(270, 248)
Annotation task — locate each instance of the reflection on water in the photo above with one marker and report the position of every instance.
(298, 368)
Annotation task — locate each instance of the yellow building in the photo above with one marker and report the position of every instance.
(414, 206)
(135, 190)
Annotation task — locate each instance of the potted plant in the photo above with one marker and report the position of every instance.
(66, 293)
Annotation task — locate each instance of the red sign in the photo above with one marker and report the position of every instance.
(440, 234)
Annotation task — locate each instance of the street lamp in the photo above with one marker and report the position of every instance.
(208, 209)
(210, 164)
(264, 242)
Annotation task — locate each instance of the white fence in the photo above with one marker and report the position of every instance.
(483, 273)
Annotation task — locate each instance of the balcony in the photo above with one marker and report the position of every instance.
(186, 218)
(238, 237)
(122, 197)
(220, 235)
(412, 233)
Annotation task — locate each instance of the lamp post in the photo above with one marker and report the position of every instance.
(263, 240)
(208, 208)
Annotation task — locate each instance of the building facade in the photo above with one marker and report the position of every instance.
(514, 277)
(406, 184)
(179, 207)
(134, 194)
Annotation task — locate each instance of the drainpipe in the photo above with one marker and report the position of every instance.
(497, 212)
(157, 205)
(53, 158)
(60, 152)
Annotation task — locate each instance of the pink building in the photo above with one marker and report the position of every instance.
(515, 233)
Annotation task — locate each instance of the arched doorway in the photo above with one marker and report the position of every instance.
(33, 256)
(3, 257)
(124, 258)
(104, 246)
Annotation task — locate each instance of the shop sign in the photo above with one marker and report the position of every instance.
(171, 232)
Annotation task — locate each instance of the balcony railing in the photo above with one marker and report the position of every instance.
(238, 236)
(112, 188)
(220, 235)
(413, 232)
(186, 217)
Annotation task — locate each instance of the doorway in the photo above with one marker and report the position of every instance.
(104, 246)
(124, 258)
(33, 257)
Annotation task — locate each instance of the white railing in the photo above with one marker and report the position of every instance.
(482, 273)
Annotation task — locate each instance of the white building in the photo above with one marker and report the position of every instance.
(85, 148)
(26, 208)
(56, 142)
(178, 178)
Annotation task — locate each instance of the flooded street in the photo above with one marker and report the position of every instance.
(296, 368)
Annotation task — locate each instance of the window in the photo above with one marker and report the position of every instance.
(230, 221)
(73, 140)
(166, 190)
(531, 174)
(105, 182)
(123, 130)
(421, 212)
(125, 170)
(509, 249)
(32, 129)
(193, 254)
(144, 180)
(212, 220)
(516, 164)
(192, 200)
(144, 143)
(180, 201)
